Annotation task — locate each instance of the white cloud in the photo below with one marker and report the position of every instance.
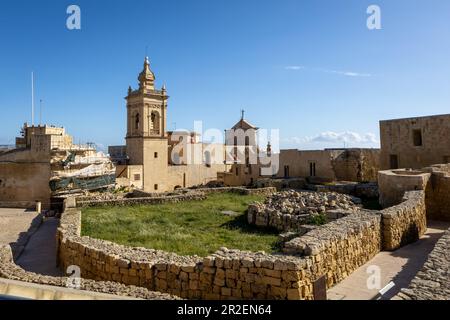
(348, 73)
(339, 72)
(294, 68)
(331, 139)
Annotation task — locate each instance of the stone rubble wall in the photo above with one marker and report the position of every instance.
(9, 270)
(265, 191)
(140, 201)
(338, 248)
(333, 250)
(401, 224)
(404, 223)
(280, 183)
(357, 165)
(291, 210)
(394, 183)
(141, 197)
(432, 282)
(227, 274)
(360, 190)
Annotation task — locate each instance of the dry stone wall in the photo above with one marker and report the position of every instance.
(9, 270)
(227, 274)
(433, 281)
(332, 251)
(404, 223)
(141, 197)
(340, 247)
(144, 200)
(291, 210)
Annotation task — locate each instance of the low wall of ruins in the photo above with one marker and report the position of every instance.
(265, 191)
(142, 198)
(227, 274)
(340, 247)
(9, 270)
(400, 224)
(432, 282)
(406, 222)
(434, 181)
(393, 184)
(438, 196)
(333, 251)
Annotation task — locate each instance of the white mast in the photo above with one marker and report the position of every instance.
(32, 99)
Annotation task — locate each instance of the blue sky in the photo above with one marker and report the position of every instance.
(310, 68)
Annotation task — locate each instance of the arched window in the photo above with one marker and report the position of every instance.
(154, 122)
(247, 141)
(136, 121)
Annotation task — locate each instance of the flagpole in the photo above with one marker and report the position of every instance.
(32, 98)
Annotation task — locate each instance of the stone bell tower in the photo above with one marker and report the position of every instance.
(146, 129)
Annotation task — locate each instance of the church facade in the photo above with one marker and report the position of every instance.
(158, 160)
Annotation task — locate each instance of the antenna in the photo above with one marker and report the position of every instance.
(32, 98)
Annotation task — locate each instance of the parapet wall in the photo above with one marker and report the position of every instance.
(404, 223)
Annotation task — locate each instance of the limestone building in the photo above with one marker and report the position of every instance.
(44, 162)
(158, 160)
(243, 157)
(354, 164)
(415, 142)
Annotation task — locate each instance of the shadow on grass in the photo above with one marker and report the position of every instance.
(240, 223)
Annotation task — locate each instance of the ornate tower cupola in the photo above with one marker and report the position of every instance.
(146, 116)
(147, 77)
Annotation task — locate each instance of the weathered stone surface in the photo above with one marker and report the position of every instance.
(404, 223)
(432, 282)
(291, 210)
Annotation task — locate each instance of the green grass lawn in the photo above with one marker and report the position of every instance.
(186, 228)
